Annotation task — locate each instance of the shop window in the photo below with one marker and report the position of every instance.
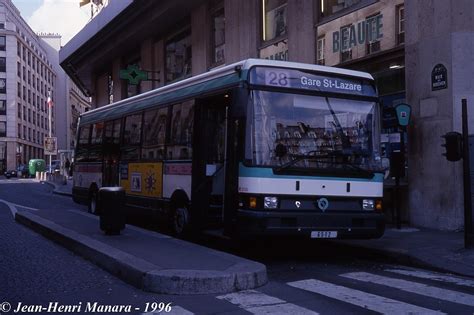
(178, 57)
(2, 43)
(3, 129)
(321, 44)
(400, 24)
(3, 64)
(154, 133)
(3, 107)
(180, 147)
(218, 34)
(275, 19)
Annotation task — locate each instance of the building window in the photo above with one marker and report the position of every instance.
(29, 115)
(178, 57)
(3, 129)
(19, 111)
(19, 131)
(18, 49)
(321, 45)
(330, 7)
(3, 86)
(218, 34)
(373, 33)
(3, 66)
(24, 132)
(2, 43)
(400, 24)
(346, 51)
(24, 112)
(274, 19)
(3, 107)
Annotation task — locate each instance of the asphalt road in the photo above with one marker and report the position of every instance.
(304, 277)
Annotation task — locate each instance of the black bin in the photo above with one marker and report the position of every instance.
(112, 212)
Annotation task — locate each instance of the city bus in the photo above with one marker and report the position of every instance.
(255, 148)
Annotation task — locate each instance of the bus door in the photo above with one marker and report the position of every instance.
(208, 171)
(111, 154)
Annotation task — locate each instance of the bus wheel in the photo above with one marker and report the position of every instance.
(180, 221)
(93, 201)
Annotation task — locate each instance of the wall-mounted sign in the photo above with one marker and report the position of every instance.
(50, 146)
(361, 33)
(439, 77)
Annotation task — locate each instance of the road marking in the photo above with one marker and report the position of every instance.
(175, 310)
(363, 299)
(433, 276)
(259, 303)
(13, 207)
(414, 287)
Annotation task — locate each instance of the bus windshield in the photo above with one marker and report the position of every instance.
(305, 131)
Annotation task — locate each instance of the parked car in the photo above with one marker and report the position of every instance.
(10, 173)
(55, 166)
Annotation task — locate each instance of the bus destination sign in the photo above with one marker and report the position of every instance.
(290, 78)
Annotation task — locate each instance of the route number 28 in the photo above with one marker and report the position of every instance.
(277, 78)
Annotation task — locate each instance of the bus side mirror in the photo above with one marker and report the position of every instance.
(280, 150)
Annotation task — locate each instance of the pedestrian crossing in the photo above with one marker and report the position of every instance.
(355, 290)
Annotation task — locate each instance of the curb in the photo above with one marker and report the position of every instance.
(145, 275)
(55, 189)
(402, 257)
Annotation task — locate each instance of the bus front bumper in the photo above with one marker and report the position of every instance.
(308, 224)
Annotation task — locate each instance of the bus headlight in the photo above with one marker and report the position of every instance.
(270, 202)
(368, 204)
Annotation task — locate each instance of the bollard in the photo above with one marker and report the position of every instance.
(38, 174)
(110, 206)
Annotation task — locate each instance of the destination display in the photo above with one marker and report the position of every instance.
(296, 79)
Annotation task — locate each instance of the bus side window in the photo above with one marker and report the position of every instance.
(154, 134)
(83, 143)
(130, 149)
(181, 132)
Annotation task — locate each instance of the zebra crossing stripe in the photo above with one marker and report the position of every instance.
(175, 310)
(414, 287)
(259, 303)
(433, 276)
(359, 298)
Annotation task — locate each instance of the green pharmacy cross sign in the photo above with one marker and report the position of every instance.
(133, 74)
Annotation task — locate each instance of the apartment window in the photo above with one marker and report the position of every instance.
(24, 112)
(3, 64)
(19, 111)
(3, 129)
(2, 43)
(29, 134)
(400, 24)
(3, 107)
(19, 131)
(178, 57)
(24, 73)
(275, 19)
(29, 115)
(3, 86)
(321, 45)
(218, 34)
(24, 132)
(18, 49)
(18, 69)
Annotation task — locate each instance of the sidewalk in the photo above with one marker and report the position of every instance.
(440, 250)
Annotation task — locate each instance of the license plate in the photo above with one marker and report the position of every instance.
(324, 234)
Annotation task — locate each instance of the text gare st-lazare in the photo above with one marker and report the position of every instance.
(331, 84)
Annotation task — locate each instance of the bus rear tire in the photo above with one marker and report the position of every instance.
(92, 204)
(179, 221)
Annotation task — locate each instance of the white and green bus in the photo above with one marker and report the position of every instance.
(259, 147)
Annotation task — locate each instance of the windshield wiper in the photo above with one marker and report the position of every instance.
(309, 155)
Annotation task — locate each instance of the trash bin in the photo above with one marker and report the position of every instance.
(111, 208)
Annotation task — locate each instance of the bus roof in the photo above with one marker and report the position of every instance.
(218, 78)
